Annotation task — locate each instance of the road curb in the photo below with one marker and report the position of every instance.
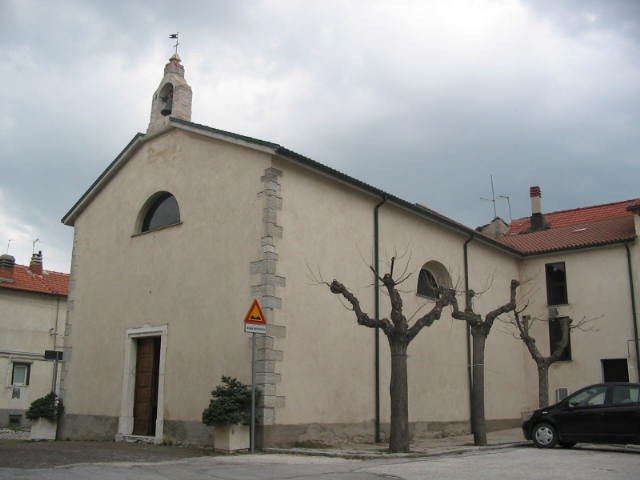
(364, 455)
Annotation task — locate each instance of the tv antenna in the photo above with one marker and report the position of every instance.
(8, 245)
(492, 199)
(508, 199)
(34, 245)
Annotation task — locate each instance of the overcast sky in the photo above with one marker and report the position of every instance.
(422, 99)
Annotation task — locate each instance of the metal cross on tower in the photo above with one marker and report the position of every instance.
(175, 36)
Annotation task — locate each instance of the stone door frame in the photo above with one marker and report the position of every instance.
(125, 421)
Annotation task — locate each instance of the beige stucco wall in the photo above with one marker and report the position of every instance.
(193, 277)
(27, 329)
(328, 227)
(597, 290)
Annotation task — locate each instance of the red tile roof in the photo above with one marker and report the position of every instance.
(51, 283)
(577, 228)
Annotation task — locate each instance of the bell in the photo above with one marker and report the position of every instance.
(168, 104)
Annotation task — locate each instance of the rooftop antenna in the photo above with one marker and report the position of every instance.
(8, 245)
(492, 199)
(175, 37)
(508, 199)
(34, 246)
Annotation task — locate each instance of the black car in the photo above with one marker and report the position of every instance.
(603, 413)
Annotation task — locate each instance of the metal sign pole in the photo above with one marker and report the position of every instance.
(253, 393)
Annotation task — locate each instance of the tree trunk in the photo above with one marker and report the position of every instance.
(399, 436)
(477, 400)
(543, 385)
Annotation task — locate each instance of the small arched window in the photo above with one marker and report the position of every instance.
(433, 276)
(161, 211)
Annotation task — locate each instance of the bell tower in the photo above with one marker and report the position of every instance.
(172, 98)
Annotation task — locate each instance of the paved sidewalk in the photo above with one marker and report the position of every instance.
(420, 447)
(27, 454)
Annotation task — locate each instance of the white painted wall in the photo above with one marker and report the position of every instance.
(27, 326)
(597, 290)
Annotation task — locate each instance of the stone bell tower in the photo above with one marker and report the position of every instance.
(172, 98)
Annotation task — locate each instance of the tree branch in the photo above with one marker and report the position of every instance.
(433, 315)
(507, 307)
(467, 315)
(565, 325)
(524, 327)
(398, 319)
(363, 319)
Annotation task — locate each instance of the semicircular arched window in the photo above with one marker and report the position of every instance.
(433, 276)
(162, 211)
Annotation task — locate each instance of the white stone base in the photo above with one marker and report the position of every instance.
(43, 429)
(231, 438)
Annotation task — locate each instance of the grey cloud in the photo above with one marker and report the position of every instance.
(426, 113)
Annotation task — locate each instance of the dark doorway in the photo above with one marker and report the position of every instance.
(145, 405)
(615, 370)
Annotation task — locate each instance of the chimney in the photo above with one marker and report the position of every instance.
(537, 218)
(36, 263)
(7, 263)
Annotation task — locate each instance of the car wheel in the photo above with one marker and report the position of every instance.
(567, 444)
(544, 436)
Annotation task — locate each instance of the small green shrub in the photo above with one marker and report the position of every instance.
(230, 404)
(50, 407)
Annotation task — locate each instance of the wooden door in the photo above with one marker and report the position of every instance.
(145, 405)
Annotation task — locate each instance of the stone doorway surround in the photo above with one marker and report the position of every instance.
(125, 421)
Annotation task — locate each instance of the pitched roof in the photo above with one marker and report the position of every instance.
(50, 283)
(577, 228)
(274, 149)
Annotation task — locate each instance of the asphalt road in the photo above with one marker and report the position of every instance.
(512, 463)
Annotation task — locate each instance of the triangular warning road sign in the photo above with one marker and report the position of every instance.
(255, 315)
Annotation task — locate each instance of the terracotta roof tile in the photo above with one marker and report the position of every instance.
(564, 218)
(51, 283)
(577, 228)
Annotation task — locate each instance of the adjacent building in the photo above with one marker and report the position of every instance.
(33, 305)
(189, 223)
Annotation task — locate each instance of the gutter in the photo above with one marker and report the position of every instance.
(634, 312)
(467, 328)
(376, 262)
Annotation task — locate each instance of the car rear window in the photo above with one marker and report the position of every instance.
(625, 394)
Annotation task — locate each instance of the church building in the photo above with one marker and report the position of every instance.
(190, 223)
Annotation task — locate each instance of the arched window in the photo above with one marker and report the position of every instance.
(427, 284)
(161, 210)
(433, 275)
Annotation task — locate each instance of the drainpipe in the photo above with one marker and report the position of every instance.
(634, 313)
(468, 336)
(376, 261)
(54, 379)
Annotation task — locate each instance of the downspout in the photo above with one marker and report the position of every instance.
(376, 261)
(468, 336)
(634, 312)
(54, 379)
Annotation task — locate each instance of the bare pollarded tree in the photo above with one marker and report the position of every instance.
(399, 333)
(480, 329)
(524, 323)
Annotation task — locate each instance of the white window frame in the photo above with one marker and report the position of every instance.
(14, 364)
(125, 421)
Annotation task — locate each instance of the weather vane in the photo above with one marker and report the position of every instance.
(175, 36)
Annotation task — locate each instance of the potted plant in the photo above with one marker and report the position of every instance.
(44, 414)
(229, 411)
